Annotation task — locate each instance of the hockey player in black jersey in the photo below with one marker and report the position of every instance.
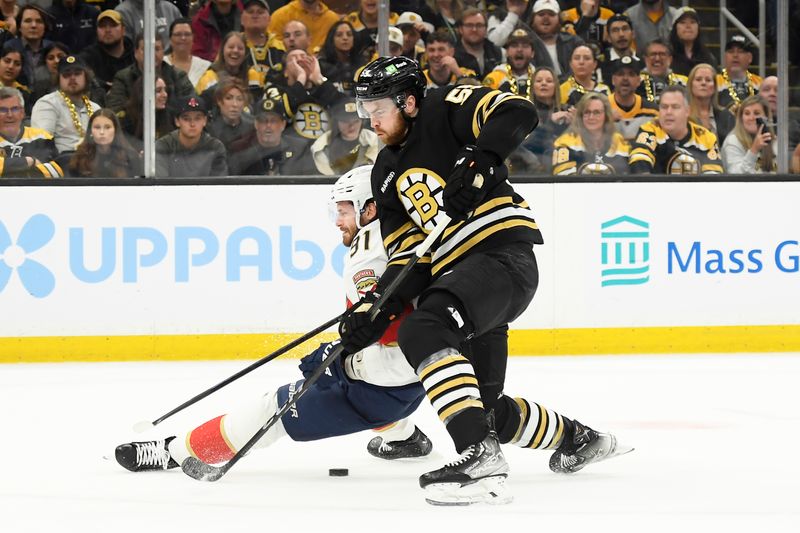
(479, 276)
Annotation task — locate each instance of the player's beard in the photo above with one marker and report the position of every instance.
(396, 135)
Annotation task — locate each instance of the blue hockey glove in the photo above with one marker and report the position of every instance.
(358, 331)
(333, 374)
(468, 182)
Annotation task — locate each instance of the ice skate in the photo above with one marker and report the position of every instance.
(586, 446)
(478, 476)
(144, 456)
(417, 445)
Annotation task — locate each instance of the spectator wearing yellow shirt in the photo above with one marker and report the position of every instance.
(313, 13)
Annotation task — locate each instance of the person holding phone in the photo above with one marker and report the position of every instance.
(750, 148)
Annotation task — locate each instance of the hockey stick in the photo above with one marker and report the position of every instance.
(145, 425)
(204, 472)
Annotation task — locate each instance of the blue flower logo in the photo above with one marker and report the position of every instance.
(35, 277)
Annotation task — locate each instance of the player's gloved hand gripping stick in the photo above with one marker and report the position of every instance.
(145, 425)
(204, 472)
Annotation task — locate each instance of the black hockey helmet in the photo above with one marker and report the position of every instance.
(391, 77)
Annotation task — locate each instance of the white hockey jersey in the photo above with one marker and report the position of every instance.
(382, 363)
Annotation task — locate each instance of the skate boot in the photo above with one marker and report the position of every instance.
(417, 445)
(478, 476)
(143, 456)
(586, 446)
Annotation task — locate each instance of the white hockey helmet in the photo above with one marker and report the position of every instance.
(354, 186)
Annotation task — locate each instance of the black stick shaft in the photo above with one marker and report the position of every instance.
(201, 471)
(307, 384)
(264, 360)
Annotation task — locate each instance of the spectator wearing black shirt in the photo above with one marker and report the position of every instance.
(113, 50)
(687, 43)
(74, 23)
(473, 49)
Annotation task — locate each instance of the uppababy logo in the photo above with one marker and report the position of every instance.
(625, 251)
(35, 277)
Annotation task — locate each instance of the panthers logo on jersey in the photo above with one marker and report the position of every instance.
(420, 191)
(311, 120)
(683, 163)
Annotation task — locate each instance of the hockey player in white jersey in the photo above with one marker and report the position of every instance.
(373, 389)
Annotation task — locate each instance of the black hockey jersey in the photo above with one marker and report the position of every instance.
(408, 181)
(35, 143)
(654, 151)
(570, 156)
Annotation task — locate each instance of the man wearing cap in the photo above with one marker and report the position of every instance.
(415, 30)
(516, 74)
(73, 23)
(313, 13)
(619, 31)
(652, 19)
(214, 21)
(629, 109)
(588, 21)
(113, 50)
(736, 82)
(443, 69)
(24, 151)
(348, 144)
(473, 50)
(132, 12)
(269, 152)
(65, 112)
(265, 50)
(558, 46)
(657, 74)
(189, 151)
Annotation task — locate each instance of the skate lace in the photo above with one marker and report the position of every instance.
(466, 455)
(568, 461)
(152, 454)
(385, 447)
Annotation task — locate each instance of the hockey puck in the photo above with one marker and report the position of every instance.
(338, 472)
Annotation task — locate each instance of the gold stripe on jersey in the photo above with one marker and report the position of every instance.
(483, 208)
(29, 135)
(450, 383)
(494, 216)
(699, 154)
(442, 262)
(538, 427)
(50, 170)
(393, 239)
(487, 105)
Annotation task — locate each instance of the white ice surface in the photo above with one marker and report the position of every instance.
(716, 442)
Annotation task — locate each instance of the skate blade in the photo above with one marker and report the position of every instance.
(619, 449)
(489, 490)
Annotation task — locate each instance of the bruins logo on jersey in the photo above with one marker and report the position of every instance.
(420, 191)
(311, 120)
(596, 169)
(683, 162)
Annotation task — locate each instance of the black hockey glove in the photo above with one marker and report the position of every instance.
(468, 182)
(358, 331)
(333, 374)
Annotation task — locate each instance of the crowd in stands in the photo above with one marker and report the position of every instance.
(265, 87)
